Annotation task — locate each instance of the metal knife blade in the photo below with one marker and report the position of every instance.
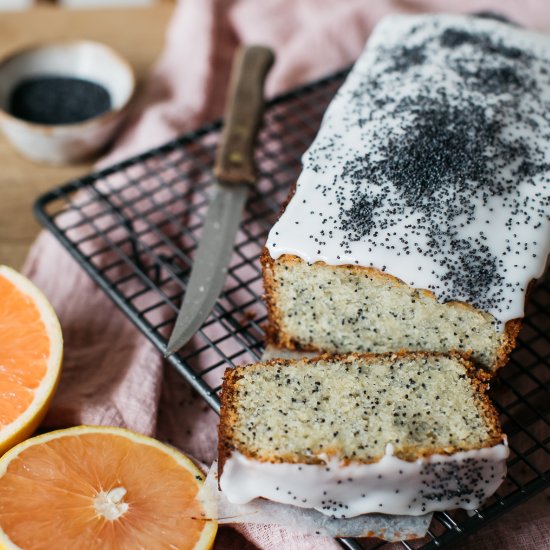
(235, 173)
(210, 265)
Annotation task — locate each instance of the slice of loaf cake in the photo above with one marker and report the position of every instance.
(421, 215)
(404, 433)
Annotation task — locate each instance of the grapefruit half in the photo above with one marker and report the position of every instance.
(31, 348)
(100, 488)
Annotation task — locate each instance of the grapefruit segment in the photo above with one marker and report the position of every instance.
(100, 488)
(31, 348)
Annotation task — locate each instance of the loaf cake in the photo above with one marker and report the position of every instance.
(355, 434)
(421, 215)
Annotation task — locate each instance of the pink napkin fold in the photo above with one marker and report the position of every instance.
(113, 375)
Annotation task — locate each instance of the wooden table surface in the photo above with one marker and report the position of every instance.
(137, 33)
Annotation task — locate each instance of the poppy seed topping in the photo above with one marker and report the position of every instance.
(432, 163)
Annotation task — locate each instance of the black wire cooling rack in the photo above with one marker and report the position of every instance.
(134, 228)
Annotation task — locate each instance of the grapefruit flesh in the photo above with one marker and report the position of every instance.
(31, 348)
(100, 488)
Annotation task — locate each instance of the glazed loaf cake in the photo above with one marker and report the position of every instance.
(354, 434)
(421, 215)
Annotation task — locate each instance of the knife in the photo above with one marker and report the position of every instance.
(235, 172)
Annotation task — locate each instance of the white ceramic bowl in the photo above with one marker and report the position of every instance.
(66, 143)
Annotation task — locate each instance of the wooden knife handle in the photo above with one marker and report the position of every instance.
(243, 115)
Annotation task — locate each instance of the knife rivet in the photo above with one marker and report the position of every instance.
(235, 157)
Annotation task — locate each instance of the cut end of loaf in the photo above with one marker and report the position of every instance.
(342, 309)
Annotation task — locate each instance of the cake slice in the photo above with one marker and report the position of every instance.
(404, 433)
(421, 215)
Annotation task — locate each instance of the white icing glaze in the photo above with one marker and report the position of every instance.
(390, 486)
(514, 227)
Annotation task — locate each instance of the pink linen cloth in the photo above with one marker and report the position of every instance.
(112, 375)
